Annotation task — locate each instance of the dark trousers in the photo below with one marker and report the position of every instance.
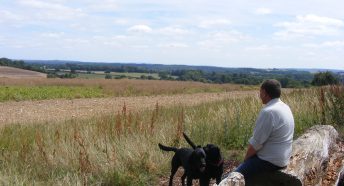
(254, 166)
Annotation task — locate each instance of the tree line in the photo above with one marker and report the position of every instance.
(20, 64)
(246, 76)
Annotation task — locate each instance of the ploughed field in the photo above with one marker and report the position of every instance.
(10, 72)
(37, 100)
(66, 109)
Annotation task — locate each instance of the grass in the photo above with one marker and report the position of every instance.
(121, 148)
(39, 88)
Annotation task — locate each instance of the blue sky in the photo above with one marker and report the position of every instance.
(246, 33)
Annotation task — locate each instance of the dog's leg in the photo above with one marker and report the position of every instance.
(173, 172)
(218, 179)
(189, 181)
(183, 179)
(175, 165)
(204, 181)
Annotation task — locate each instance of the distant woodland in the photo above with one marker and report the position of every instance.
(289, 78)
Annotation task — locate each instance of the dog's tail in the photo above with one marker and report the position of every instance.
(165, 148)
(189, 141)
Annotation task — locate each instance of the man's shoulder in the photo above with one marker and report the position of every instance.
(280, 105)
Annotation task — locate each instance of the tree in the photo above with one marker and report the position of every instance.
(108, 76)
(163, 75)
(324, 78)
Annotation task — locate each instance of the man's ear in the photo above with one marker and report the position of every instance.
(264, 94)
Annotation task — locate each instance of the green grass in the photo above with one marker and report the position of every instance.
(122, 149)
(20, 93)
(51, 88)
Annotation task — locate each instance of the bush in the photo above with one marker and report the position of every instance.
(108, 76)
(324, 78)
(332, 104)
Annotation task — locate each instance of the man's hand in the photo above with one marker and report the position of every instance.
(250, 152)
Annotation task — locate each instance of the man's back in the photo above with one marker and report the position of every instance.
(278, 126)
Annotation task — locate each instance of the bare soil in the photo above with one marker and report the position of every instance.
(62, 109)
(10, 72)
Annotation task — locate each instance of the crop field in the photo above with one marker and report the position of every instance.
(10, 72)
(39, 88)
(101, 74)
(118, 145)
(20, 93)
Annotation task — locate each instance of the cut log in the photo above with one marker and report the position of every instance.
(307, 164)
(340, 179)
(233, 179)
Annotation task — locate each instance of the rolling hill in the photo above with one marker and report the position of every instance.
(11, 72)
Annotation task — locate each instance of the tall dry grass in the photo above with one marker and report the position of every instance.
(331, 99)
(121, 148)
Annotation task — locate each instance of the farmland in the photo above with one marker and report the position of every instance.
(112, 140)
(10, 72)
(101, 74)
(106, 88)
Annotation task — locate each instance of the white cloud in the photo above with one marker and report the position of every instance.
(309, 25)
(327, 44)
(114, 41)
(214, 23)
(321, 20)
(120, 21)
(259, 48)
(263, 11)
(140, 29)
(139, 46)
(221, 39)
(105, 6)
(173, 30)
(174, 45)
(6, 15)
(53, 34)
(77, 41)
(51, 11)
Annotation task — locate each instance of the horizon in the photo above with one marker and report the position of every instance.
(144, 63)
(227, 34)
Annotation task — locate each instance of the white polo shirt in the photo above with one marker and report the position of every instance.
(273, 134)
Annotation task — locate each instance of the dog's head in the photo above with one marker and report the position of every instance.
(213, 153)
(198, 159)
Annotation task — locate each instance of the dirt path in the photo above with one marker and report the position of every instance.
(61, 109)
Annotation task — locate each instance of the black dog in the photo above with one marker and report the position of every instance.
(192, 160)
(214, 162)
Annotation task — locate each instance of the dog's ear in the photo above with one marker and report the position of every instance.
(189, 141)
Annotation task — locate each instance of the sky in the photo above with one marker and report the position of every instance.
(225, 33)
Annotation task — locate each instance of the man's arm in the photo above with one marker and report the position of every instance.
(261, 133)
(250, 152)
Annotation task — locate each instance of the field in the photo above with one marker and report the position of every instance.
(104, 88)
(101, 74)
(118, 144)
(10, 72)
